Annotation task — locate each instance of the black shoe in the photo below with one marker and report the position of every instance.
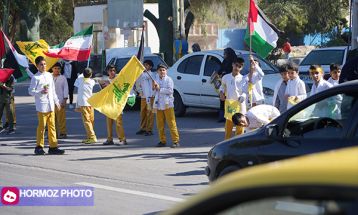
(56, 151)
(39, 151)
(6, 125)
(175, 145)
(148, 133)
(62, 136)
(160, 144)
(108, 142)
(10, 131)
(140, 132)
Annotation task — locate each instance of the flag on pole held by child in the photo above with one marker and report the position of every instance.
(76, 48)
(32, 50)
(17, 61)
(112, 99)
(263, 33)
(231, 107)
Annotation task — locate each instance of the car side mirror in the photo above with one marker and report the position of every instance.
(272, 131)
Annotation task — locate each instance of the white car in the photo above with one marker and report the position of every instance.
(324, 57)
(191, 75)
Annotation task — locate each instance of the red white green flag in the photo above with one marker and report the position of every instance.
(264, 34)
(76, 48)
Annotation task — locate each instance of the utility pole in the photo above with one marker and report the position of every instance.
(354, 24)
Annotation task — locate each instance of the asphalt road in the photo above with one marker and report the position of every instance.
(134, 179)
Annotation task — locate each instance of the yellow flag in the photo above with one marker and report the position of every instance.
(231, 107)
(111, 100)
(34, 49)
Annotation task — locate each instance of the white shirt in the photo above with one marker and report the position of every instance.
(333, 82)
(85, 87)
(233, 88)
(261, 115)
(322, 85)
(256, 80)
(144, 84)
(44, 102)
(61, 87)
(164, 98)
(296, 87)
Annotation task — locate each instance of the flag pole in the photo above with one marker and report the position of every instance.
(89, 57)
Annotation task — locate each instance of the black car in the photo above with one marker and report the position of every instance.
(327, 120)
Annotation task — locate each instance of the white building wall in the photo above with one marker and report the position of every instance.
(94, 14)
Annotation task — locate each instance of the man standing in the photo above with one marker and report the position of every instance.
(43, 88)
(279, 100)
(164, 106)
(70, 72)
(61, 87)
(5, 104)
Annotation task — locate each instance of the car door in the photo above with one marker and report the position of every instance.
(188, 80)
(320, 126)
(209, 96)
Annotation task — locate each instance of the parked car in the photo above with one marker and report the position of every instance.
(324, 57)
(120, 62)
(324, 121)
(320, 184)
(191, 75)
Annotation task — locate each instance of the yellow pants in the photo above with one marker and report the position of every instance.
(88, 121)
(60, 116)
(146, 115)
(228, 129)
(49, 120)
(119, 128)
(167, 116)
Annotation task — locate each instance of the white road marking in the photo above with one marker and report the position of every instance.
(133, 192)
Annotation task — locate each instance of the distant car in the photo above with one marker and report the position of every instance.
(324, 57)
(327, 120)
(120, 62)
(319, 184)
(191, 75)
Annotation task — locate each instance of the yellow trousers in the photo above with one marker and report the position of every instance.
(88, 121)
(167, 116)
(146, 115)
(119, 128)
(49, 120)
(60, 116)
(229, 125)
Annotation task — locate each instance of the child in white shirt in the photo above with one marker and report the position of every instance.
(296, 89)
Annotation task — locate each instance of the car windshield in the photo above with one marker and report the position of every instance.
(121, 62)
(323, 57)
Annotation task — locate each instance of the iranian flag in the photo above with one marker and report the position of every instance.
(76, 48)
(263, 33)
(14, 60)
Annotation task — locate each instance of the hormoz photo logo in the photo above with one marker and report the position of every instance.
(47, 196)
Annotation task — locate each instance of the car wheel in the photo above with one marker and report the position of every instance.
(179, 107)
(228, 170)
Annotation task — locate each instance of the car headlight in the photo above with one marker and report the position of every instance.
(268, 91)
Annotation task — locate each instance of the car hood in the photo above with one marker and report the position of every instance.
(243, 141)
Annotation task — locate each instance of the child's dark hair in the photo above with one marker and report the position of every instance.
(149, 62)
(334, 67)
(282, 69)
(292, 66)
(87, 73)
(39, 59)
(236, 118)
(111, 66)
(239, 60)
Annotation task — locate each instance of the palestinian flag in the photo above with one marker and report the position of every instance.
(263, 33)
(13, 60)
(76, 48)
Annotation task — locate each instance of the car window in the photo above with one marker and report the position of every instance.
(120, 63)
(323, 57)
(292, 206)
(191, 65)
(212, 64)
(326, 118)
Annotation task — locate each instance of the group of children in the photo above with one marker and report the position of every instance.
(289, 90)
(51, 94)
